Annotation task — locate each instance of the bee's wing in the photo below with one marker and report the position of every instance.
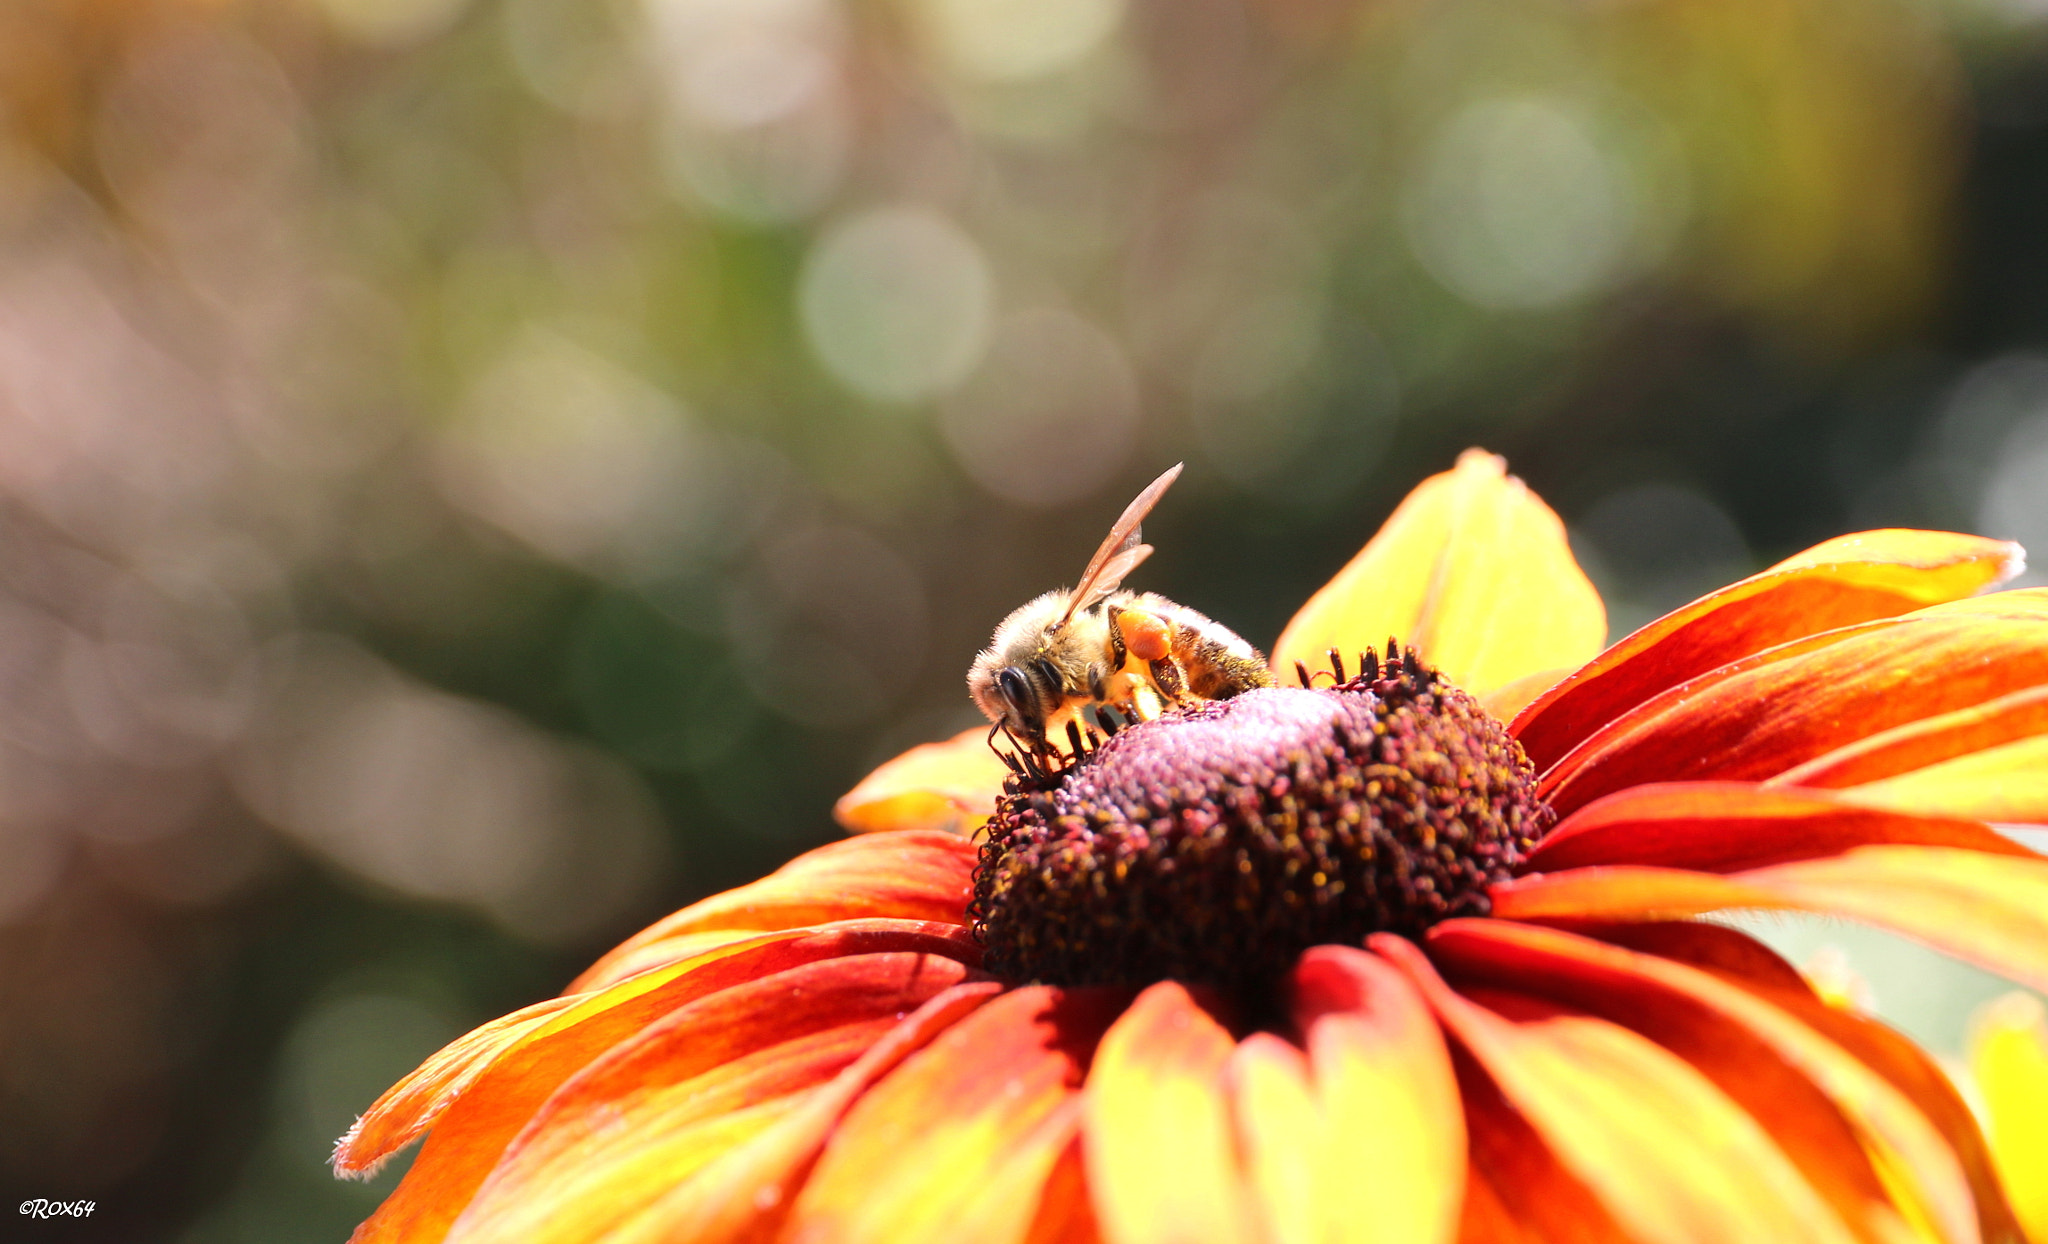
(1120, 552)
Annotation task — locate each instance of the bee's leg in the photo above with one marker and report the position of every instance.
(1145, 704)
(1171, 681)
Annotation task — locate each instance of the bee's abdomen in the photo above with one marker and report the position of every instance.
(1215, 670)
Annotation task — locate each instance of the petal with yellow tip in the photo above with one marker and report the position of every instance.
(2009, 1059)
(1474, 571)
(950, 785)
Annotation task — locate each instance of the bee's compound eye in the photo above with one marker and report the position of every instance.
(1010, 685)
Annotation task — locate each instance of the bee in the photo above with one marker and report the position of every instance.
(1122, 655)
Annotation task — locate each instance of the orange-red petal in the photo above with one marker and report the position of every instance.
(2007, 784)
(1473, 571)
(1761, 716)
(622, 1131)
(1517, 1192)
(1672, 1158)
(1743, 961)
(949, 786)
(474, 1128)
(745, 1192)
(1930, 740)
(408, 1107)
(1989, 909)
(957, 1143)
(2009, 1060)
(921, 875)
(1875, 574)
(1728, 826)
(1157, 1135)
(1823, 1106)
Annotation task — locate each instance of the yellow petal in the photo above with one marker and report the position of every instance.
(2009, 1057)
(950, 785)
(1389, 1098)
(1162, 1168)
(1472, 570)
(1283, 1137)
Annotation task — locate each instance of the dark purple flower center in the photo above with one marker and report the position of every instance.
(1217, 843)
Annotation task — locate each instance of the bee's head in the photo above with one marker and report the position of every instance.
(1021, 694)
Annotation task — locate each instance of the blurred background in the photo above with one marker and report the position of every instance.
(478, 474)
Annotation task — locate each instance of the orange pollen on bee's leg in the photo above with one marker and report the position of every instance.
(1218, 842)
(1145, 635)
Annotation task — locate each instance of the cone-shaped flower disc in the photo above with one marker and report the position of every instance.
(1410, 954)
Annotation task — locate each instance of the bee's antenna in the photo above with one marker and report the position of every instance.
(1337, 664)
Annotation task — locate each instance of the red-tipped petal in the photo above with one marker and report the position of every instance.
(1666, 1151)
(1473, 571)
(475, 1128)
(626, 1128)
(1157, 1133)
(1728, 826)
(957, 1143)
(949, 786)
(1384, 1081)
(906, 876)
(1822, 1105)
(1989, 909)
(1876, 574)
(1760, 717)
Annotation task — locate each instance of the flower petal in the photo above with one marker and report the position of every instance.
(1286, 1144)
(627, 1127)
(1821, 1105)
(922, 875)
(1383, 1079)
(744, 1193)
(1517, 1192)
(948, 786)
(504, 1095)
(1156, 1126)
(1749, 965)
(1989, 909)
(1473, 571)
(958, 1141)
(1761, 716)
(409, 1106)
(1727, 826)
(2008, 783)
(1930, 740)
(1669, 1155)
(1876, 574)
(2009, 1059)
